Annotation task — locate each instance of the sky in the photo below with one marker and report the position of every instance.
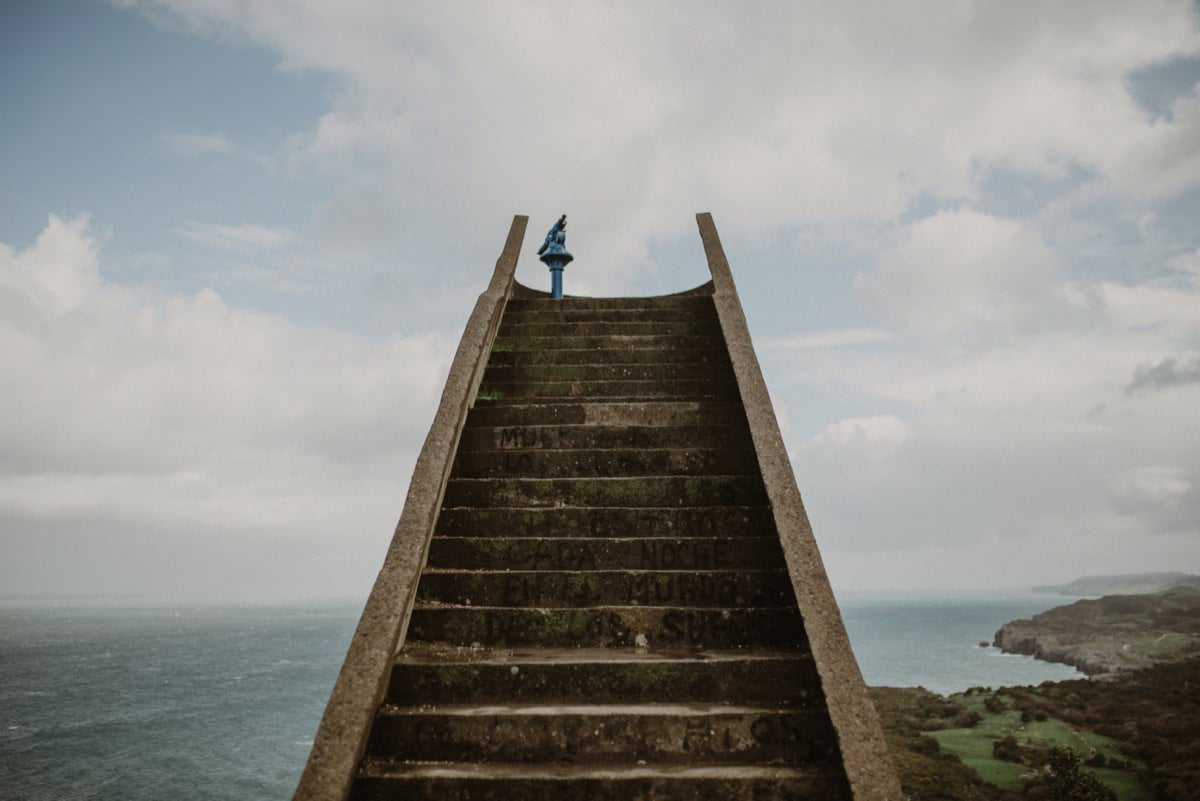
(239, 240)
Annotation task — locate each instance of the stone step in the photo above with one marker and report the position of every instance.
(496, 399)
(433, 674)
(525, 341)
(710, 490)
(693, 327)
(604, 626)
(704, 734)
(545, 589)
(441, 781)
(611, 356)
(560, 314)
(577, 412)
(521, 439)
(574, 463)
(679, 388)
(601, 371)
(617, 553)
(695, 303)
(577, 521)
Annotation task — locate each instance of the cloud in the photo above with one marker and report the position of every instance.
(961, 268)
(624, 114)
(839, 338)
(200, 144)
(1164, 374)
(881, 432)
(53, 277)
(1164, 496)
(178, 413)
(236, 237)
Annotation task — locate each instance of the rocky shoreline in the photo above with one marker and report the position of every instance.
(1110, 634)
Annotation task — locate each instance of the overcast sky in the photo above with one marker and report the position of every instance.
(239, 240)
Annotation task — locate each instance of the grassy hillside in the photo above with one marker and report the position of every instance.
(1137, 734)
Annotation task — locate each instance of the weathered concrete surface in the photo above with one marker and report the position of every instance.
(865, 756)
(666, 370)
(600, 462)
(605, 522)
(341, 737)
(502, 439)
(689, 387)
(707, 490)
(504, 782)
(703, 734)
(439, 674)
(586, 328)
(568, 588)
(609, 413)
(632, 553)
(598, 626)
(631, 341)
(612, 356)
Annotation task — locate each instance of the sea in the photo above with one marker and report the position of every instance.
(158, 701)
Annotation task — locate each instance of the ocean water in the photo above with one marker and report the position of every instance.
(215, 703)
(934, 642)
(163, 704)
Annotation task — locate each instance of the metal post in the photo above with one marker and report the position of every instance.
(556, 276)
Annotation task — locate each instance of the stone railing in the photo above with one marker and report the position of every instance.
(342, 736)
(860, 738)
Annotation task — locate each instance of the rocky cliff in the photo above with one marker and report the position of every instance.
(1110, 634)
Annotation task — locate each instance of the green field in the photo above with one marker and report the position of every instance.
(974, 747)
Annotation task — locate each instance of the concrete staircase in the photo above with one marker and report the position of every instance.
(605, 611)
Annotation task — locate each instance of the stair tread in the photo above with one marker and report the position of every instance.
(546, 610)
(705, 476)
(553, 771)
(418, 653)
(478, 571)
(583, 710)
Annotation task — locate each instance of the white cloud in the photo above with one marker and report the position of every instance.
(179, 412)
(839, 338)
(878, 433)
(962, 268)
(54, 276)
(236, 237)
(625, 114)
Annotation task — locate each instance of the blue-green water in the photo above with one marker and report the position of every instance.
(220, 702)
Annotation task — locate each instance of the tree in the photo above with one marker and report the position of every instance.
(1066, 781)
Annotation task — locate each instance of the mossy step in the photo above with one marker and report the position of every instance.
(599, 626)
(441, 781)
(658, 412)
(522, 439)
(690, 302)
(430, 674)
(678, 388)
(617, 553)
(601, 733)
(558, 588)
(591, 523)
(568, 463)
(525, 340)
(613, 356)
(599, 371)
(710, 490)
(561, 314)
(495, 398)
(518, 331)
